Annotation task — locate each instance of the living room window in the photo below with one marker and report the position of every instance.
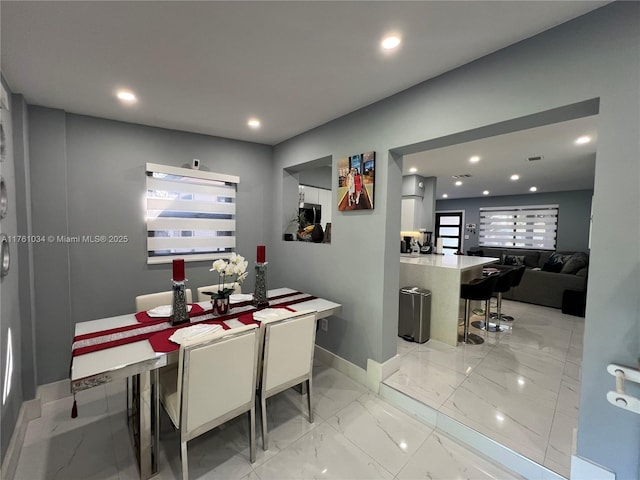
(190, 214)
(531, 226)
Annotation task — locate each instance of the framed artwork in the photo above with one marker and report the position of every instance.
(356, 182)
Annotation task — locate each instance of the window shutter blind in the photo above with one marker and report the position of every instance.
(191, 214)
(523, 227)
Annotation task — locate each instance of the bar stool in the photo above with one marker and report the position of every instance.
(515, 281)
(477, 289)
(503, 284)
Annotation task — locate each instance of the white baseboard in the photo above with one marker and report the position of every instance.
(583, 469)
(31, 409)
(378, 372)
(351, 370)
(53, 391)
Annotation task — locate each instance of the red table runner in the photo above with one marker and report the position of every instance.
(114, 337)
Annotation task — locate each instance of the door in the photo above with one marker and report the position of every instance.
(449, 228)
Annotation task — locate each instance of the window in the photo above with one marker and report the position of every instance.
(191, 214)
(523, 227)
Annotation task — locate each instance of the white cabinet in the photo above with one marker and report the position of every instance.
(324, 199)
(310, 194)
(411, 218)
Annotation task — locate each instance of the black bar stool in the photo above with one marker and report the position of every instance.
(503, 284)
(477, 289)
(515, 281)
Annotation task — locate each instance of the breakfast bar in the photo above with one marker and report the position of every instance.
(442, 275)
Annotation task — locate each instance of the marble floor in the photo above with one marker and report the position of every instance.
(355, 435)
(521, 387)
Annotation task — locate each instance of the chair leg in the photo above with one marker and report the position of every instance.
(309, 401)
(497, 327)
(185, 459)
(252, 434)
(265, 435)
(469, 338)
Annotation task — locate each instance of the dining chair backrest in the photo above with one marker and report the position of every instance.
(215, 382)
(203, 297)
(153, 300)
(288, 351)
(218, 378)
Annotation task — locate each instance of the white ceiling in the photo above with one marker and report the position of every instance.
(564, 166)
(208, 66)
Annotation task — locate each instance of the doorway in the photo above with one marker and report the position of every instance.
(449, 229)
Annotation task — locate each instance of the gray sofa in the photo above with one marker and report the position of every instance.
(547, 276)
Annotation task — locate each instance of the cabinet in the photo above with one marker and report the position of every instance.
(318, 196)
(412, 215)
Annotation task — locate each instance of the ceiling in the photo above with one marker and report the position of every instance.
(563, 166)
(207, 67)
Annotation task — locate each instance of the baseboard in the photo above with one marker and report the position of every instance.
(351, 370)
(31, 409)
(583, 469)
(378, 372)
(51, 392)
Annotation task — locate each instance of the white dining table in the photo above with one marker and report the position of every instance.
(138, 359)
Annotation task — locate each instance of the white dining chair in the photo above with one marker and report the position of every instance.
(287, 359)
(144, 303)
(202, 297)
(215, 382)
(153, 300)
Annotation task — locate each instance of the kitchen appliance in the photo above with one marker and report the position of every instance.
(427, 246)
(312, 213)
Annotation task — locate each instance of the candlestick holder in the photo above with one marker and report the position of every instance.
(260, 293)
(179, 312)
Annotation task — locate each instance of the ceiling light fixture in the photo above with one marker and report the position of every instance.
(445, 195)
(253, 123)
(458, 183)
(389, 42)
(413, 170)
(486, 192)
(515, 176)
(474, 159)
(583, 140)
(126, 96)
(533, 189)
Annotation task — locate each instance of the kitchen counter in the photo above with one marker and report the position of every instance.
(442, 275)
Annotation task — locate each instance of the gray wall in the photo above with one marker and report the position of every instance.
(573, 216)
(594, 56)
(9, 289)
(88, 178)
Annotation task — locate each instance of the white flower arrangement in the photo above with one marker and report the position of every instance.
(232, 271)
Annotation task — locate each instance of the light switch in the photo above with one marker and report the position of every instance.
(466, 237)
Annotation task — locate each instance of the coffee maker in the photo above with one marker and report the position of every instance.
(405, 245)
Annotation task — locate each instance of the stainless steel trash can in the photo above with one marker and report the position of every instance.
(414, 317)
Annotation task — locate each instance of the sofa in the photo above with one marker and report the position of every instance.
(547, 276)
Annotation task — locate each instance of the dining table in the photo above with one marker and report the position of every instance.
(137, 345)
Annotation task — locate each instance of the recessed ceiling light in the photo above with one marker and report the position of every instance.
(413, 170)
(582, 140)
(458, 183)
(486, 192)
(389, 42)
(126, 96)
(474, 159)
(533, 189)
(445, 195)
(515, 176)
(253, 123)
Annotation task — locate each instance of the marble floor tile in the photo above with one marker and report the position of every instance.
(425, 381)
(440, 458)
(382, 431)
(322, 453)
(560, 445)
(404, 346)
(528, 379)
(333, 391)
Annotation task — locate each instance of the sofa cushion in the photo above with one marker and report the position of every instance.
(574, 263)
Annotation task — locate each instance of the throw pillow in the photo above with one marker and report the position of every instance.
(514, 260)
(574, 263)
(555, 263)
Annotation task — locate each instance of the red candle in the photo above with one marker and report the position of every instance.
(178, 270)
(261, 254)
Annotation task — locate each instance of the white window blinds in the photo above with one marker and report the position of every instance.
(191, 214)
(532, 226)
